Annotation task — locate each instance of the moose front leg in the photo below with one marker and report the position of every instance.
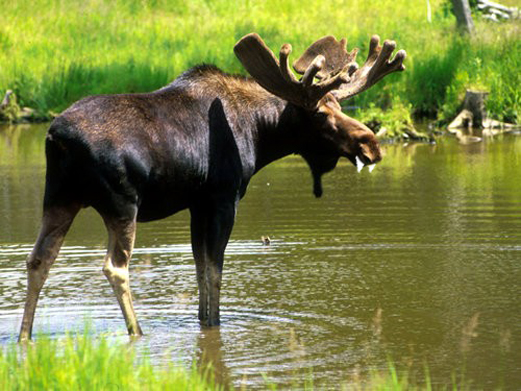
(211, 229)
(198, 229)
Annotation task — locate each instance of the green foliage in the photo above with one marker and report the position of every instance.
(490, 62)
(54, 52)
(391, 123)
(433, 77)
(85, 363)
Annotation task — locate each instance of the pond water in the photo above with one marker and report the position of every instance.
(418, 261)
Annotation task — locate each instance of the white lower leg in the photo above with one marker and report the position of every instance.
(120, 281)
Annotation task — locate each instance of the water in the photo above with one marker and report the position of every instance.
(419, 261)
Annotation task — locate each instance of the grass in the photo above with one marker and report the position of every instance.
(85, 363)
(54, 52)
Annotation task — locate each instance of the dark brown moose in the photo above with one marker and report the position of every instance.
(195, 144)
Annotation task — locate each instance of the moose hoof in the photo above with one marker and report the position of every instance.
(210, 322)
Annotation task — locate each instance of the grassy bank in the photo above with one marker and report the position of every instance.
(87, 363)
(54, 52)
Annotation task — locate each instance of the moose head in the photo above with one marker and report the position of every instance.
(330, 75)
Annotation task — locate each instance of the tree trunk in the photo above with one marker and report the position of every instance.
(463, 15)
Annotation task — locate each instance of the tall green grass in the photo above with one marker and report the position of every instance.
(53, 52)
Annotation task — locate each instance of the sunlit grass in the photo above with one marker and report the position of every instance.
(55, 52)
(87, 363)
(90, 361)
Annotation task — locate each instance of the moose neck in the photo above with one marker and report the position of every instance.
(289, 131)
(278, 131)
(265, 127)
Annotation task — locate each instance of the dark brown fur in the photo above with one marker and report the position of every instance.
(194, 144)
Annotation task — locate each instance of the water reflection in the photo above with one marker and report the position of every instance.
(210, 354)
(418, 260)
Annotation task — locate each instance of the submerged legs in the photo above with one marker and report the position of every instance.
(55, 224)
(211, 229)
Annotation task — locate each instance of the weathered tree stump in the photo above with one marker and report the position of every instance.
(9, 109)
(473, 113)
(463, 15)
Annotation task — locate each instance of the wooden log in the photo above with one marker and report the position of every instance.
(499, 14)
(483, 4)
(491, 17)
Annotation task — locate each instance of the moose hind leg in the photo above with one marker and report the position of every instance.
(121, 242)
(56, 222)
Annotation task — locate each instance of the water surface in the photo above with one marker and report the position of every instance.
(419, 261)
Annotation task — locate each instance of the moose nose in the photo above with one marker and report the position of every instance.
(371, 158)
(368, 159)
(377, 158)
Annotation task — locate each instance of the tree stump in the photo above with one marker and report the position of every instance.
(473, 113)
(9, 109)
(463, 15)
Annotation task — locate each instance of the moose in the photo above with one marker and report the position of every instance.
(195, 144)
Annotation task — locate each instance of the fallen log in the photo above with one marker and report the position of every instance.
(486, 5)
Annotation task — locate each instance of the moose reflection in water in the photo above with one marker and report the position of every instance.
(195, 144)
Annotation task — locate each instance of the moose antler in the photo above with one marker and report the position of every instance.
(337, 58)
(276, 77)
(376, 66)
(327, 60)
